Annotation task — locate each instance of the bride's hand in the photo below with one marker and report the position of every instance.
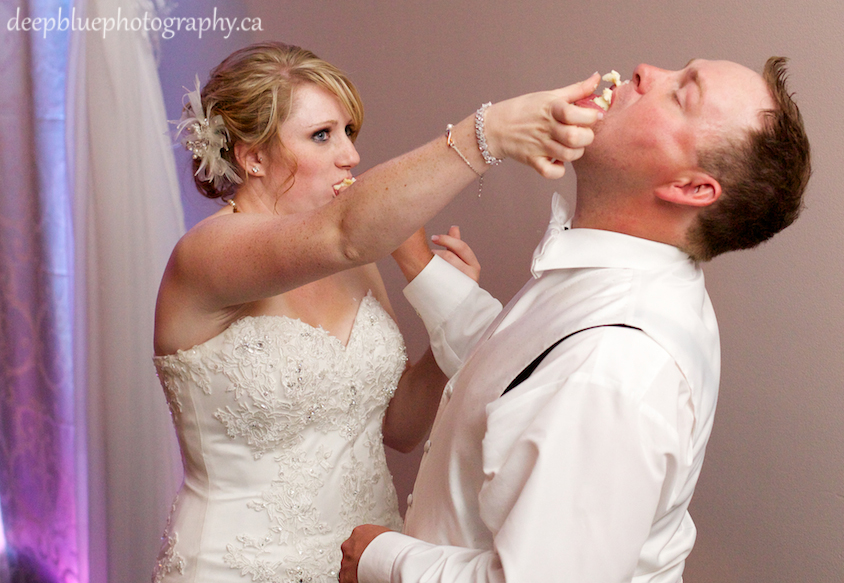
(545, 129)
(458, 253)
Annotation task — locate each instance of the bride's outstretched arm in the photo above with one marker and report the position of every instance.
(383, 208)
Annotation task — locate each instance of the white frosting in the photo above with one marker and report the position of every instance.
(612, 77)
(605, 99)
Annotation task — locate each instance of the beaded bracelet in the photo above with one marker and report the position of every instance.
(481, 137)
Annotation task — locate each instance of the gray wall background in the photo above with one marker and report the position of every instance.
(770, 503)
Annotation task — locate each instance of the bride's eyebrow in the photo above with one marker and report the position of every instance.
(328, 122)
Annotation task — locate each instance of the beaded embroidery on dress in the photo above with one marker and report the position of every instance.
(280, 430)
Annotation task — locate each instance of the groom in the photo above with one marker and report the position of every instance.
(568, 445)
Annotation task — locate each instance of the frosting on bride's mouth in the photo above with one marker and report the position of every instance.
(345, 183)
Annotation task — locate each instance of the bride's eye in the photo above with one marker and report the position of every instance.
(320, 136)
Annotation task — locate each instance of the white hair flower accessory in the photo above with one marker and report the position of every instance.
(205, 137)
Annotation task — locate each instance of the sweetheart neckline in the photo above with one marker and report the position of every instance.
(331, 337)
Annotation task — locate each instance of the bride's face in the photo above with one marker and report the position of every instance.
(317, 135)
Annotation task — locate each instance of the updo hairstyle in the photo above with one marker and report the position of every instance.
(252, 91)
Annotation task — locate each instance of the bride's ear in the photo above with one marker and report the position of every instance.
(249, 159)
(697, 189)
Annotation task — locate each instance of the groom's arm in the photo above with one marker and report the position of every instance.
(455, 311)
(353, 548)
(418, 560)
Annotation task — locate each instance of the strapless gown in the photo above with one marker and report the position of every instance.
(279, 426)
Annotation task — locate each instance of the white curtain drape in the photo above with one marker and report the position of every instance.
(127, 217)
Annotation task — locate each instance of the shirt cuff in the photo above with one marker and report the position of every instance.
(376, 562)
(438, 290)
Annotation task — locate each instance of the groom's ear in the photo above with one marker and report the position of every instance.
(694, 188)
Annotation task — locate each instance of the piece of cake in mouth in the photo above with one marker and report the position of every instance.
(605, 98)
(345, 183)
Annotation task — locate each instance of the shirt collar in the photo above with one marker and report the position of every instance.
(563, 247)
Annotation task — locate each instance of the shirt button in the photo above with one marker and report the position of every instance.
(410, 500)
(427, 447)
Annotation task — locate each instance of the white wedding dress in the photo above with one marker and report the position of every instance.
(280, 430)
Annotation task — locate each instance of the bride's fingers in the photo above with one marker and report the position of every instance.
(574, 137)
(568, 113)
(457, 246)
(458, 253)
(579, 90)
(546, 168)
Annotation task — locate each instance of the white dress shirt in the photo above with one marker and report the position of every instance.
(583, 472)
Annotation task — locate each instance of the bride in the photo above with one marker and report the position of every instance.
(275, 343)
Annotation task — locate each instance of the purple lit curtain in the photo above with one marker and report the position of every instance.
(38, 424)
(89, 210)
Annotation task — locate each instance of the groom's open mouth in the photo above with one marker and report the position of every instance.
(603, 101)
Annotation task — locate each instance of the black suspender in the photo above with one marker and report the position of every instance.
(528, 370)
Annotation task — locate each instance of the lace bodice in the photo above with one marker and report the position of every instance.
(279, 425)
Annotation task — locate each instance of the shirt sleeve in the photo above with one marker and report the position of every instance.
(455, 310)
(393, 557)
(577, 472)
